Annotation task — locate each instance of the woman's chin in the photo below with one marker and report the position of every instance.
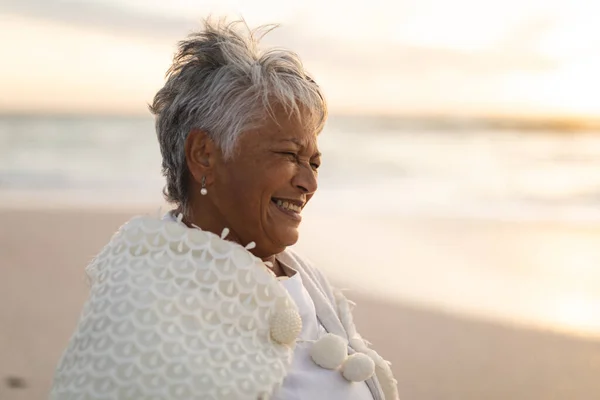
(289, 236)
(281, 239)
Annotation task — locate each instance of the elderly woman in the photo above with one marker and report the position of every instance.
(209, 302)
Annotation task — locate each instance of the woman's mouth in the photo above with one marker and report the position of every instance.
(292, 208)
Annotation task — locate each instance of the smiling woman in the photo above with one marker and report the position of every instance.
(209, 302)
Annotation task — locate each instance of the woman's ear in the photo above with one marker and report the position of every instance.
(200, 153)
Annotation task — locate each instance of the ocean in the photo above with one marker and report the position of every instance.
(370, 167)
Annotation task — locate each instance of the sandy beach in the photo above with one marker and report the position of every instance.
(435, 354)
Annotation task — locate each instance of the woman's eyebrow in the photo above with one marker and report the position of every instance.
(293, 140)
(300, 144)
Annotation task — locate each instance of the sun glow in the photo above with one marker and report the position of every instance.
(580, 313)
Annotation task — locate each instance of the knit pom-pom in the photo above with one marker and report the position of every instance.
(286, 326)
(358, 344)
(329, 352)
(358, 367)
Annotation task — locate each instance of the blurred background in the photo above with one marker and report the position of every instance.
(459, 196)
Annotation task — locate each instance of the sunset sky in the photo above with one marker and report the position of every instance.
(515, 57)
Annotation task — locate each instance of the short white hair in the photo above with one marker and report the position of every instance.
(222, 83)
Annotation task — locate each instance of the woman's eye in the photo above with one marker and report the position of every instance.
(294, 157)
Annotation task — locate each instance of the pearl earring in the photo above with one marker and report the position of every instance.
(203, 191)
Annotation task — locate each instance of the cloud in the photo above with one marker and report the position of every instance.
(379, 69)
(393, 58)
(513, 54)
(102, 16)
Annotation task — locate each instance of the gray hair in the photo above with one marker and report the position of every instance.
(221, 83)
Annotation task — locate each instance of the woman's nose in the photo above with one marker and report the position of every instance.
(306, 179)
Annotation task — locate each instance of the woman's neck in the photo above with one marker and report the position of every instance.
(275, 265)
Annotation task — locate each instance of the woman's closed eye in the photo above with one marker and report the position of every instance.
(290, 154)
(296, 158)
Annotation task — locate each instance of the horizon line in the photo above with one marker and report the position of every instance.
(465, 120)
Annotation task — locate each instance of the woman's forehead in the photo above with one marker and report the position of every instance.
(292, 130)
(299, 118)
(269, 135)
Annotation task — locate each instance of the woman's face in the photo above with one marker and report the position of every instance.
(261, 191)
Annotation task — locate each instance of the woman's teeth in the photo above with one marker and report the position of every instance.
(288, 206)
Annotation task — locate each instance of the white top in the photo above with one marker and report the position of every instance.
(305, 379)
